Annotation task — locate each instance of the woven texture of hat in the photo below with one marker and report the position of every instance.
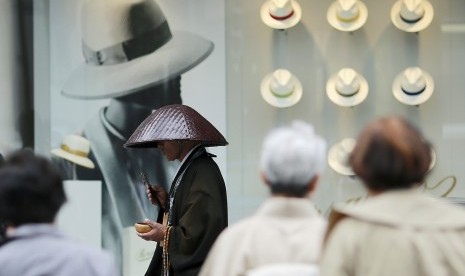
(175, 122)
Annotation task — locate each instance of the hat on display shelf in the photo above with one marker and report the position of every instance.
(347, 15)
(128, 45)
(281, 14)
(347, 88)
(175, 122)
(412, 15)
(338, 156)
(281, 88)
(75, 149)
(413, 86)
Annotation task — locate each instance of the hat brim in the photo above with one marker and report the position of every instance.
(281, 24)
(407, 99)
(183, 52)
(333, 20)
(175, 123)
(281, 102)
(422, 24)
(335, 164)
(345, 101)
(82, 161)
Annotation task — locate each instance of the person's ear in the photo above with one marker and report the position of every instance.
(312, 185)
(264, 179)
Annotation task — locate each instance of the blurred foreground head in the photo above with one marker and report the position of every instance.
(31, 189)
(292, 158)
(390, 154)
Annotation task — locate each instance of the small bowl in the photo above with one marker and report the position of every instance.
(142, 227)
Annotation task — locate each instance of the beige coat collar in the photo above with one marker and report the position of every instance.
(406, 208)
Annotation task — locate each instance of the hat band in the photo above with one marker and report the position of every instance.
(413, 93)
(75, 152)
(280, 18)
(348, 20)
(139, 46)
(346, 94)
(410, 21)
(280, 95)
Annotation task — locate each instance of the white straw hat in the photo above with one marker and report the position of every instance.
(128, 45)
(412, 15)
(338, 156)
(76, 149)
(413, 86)
(347, 15)
(281, 14)
(347, 88)
(281, 88)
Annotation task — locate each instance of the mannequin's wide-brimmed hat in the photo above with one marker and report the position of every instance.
(175, 123)
(128, 46)
(412, 15)
(347, 15)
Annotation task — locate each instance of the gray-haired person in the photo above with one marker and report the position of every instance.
(31, 194)
(287, 228)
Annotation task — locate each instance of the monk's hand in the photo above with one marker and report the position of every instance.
(157, 195)
(156, 234)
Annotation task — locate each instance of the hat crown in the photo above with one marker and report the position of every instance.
(347, 82)
(109, 22)
(77, 143)
(281, 83)
(412, 10)
(347, 10)
(280, 8)
(413, 80)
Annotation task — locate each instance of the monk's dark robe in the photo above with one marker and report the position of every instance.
(198, 216)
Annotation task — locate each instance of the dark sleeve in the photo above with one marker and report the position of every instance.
(201, 220)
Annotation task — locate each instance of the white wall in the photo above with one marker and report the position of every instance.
(9, 78)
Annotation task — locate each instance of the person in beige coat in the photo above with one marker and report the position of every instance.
(286, 228)
(397, 230)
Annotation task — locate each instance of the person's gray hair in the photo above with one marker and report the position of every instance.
(292, 155)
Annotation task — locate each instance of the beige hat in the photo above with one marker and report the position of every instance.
(281, 88)
(75, 148)
(127, 46)
(338, 156)
(347, 88)
(412, 15)
(413, 86)
(347, 15)
(281, 14)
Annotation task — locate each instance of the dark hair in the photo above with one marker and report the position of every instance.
(31, 189)
(290, 190)
(391, 154)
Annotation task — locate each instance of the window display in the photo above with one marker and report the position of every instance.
(413, 86)
(281, 14)
(281, 88)
(412, 15)
(347, 15)
(347, 88)
(338, 156)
